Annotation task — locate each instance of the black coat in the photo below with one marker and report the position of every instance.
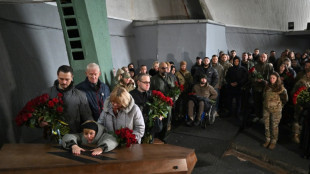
(140, 99)
(211, 73)
(236, 74)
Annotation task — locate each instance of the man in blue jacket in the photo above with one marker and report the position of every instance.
(96, 91)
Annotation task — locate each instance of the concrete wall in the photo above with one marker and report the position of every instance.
(170, 42)
(177, 42)
(216, 39)
(243, 39)
(146, 39)
(262, 14)
(31, 49)
(147, 9)
(122, 42)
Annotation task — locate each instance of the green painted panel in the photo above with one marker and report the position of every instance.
(92, 25)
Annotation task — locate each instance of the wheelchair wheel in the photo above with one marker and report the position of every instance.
(210, 118)
(204, 122)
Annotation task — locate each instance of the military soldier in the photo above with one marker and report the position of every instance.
(304, 81)
(275, 96)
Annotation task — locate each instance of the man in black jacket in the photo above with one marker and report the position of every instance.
(142, 95)
(196, 66)
(236, 77)
(211, 73)
(96, 91)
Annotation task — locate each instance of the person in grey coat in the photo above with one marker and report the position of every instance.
(76, 108)
(120, 111)
(92, 134)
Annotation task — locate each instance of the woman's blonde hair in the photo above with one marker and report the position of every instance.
(121, 96)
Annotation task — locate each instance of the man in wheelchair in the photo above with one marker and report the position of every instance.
(200, 101)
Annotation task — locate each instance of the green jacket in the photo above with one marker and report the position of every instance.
(162, 84)
(265, 69)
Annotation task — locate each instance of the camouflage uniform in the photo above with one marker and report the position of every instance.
(304, 81)
(224, 92)
(186, 79)
(225, 66)
(272, 108)
(265, 69)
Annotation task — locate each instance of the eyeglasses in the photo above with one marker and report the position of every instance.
(145, 82)
(164, 67)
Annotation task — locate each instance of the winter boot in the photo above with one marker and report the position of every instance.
(272, 146)
(266, 144)
(295, 138)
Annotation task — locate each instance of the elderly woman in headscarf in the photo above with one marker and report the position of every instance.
(120, 111)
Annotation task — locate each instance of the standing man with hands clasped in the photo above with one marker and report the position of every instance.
(95, 90)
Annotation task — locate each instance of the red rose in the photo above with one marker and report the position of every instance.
(43, 98)
(18, 121)
(25, 117)
(59, 95)
(252, 69)
(117, 132)
(29, 115)
(51, 104)
(153, 92)
(176, 84)
(59, 109)
(55, 100)
(295, 96)
(182, 88)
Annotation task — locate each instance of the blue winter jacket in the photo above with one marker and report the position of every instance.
(96, 95)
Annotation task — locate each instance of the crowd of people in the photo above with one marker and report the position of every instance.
(254, 87)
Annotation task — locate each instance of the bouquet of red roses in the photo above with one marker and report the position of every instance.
(125, 137)
(160, 106)
(302, 96)
(42, 108)
(176, 90)
(255, 74)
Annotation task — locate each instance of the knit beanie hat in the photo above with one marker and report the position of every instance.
(90, 125)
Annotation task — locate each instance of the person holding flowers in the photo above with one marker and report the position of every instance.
(287, 75)
(275, 96)
(142, 95)
(164, 83)
(120, 111)
(93, 134)
(259, 74)
(76, 108)
(304, 82)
